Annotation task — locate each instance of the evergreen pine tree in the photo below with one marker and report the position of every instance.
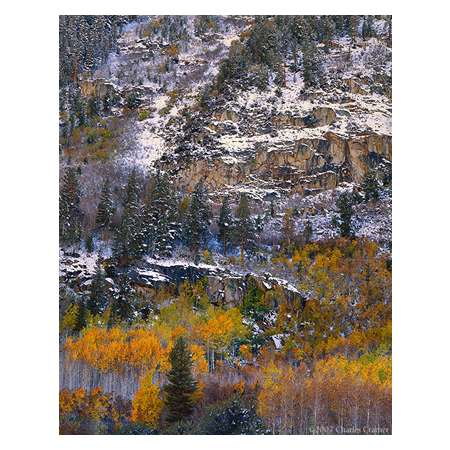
(161, 226)
(339, 22)
(122, 305)
(367, 27)
(198, 218)
(244, 229)
(93, 107)
(311, 64)
(80, 322)
(272, 209)
(353, 25)
(181, 384)
(128, 239)
(389, 19)
(89, 244)
(365, 30)
(327, 30)
(98, 298)
(105, 208)
(79, 110)
(225, 224)
(258, 224)
(345, 206)
(69, 208)
(307, 232)
(370, 186)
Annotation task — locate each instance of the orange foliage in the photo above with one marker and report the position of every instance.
(112, 350)
(147, 404)
(340, 392)
(348, 306)
(141, 349)
(172, 50)
(220, 328)
(93, 406)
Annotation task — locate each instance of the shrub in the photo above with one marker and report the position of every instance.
(164, 111)
(234, 416)
(143, 115)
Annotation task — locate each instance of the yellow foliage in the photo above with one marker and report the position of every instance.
(94, 405)
(374, 371)
(200, 364)
(246, 352)
(147, 404)
(172, 50)
(70, 318)
(112, 350)
(339, 385)
(220, 328)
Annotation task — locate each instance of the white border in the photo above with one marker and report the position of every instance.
(29, 230)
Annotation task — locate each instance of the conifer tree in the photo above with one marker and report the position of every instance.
(244, 229)
(311, 64)
(181, 384)
(161, 226)
(272, 209)
(370, 186)
(80, 322)
(69, 208)
(353, 23)
(198, 218)
(128, 237)
(122, 304)
(225, 224)
(307, 232)
(389, 19)
(93, 107)
(345, 207)
(105, 208)
(98, 298)
(89, 244)
(367, 28)
(328, 28)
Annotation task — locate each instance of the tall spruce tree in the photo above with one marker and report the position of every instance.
(80, 321)
(181, 384)
(225, 224)
(122, 304)
(307, 232)
(272, 209)
(244, 227)
(312, 70)
(198, 218)
(128, 237)
(345, 207)
(98, 298)
(353, 24)
(161, 226)
(105, 208)
(367, 28)
(327, 29)
(371, 186)
(69, 208)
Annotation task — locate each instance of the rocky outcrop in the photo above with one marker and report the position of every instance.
(225, 115)
(324, 116)
(308, 163)
(287, 120)
(359, 152)
(96, 88)
(225, 286)
(355, 87)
